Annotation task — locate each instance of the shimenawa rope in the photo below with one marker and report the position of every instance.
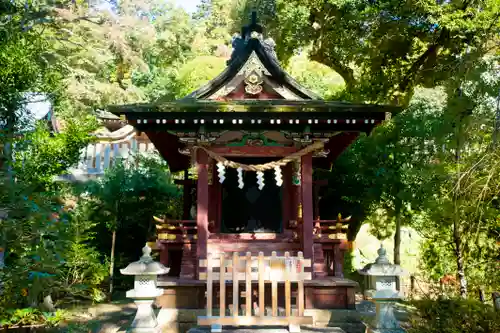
(267, 166)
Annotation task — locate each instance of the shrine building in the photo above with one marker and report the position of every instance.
(255, 137)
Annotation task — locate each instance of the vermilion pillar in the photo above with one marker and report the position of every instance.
(307, 205)
(202, 204)
(186, 196)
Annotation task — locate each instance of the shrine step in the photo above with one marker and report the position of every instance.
(172, 320)
(188, 262)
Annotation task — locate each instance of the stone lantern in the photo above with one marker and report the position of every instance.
(145, 273)
(381, 281)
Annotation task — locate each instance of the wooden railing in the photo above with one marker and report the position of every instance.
(259, 269)
(176, 230)
(329, 230)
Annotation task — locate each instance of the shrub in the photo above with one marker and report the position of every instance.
(31, 316)
(453, 316)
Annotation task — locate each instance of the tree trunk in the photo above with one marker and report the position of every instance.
(459, 256)
(11, 120)
(112, 265)
(460, 259)
(397, 239)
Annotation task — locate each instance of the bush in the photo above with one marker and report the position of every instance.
(453, 316)
(31, 317)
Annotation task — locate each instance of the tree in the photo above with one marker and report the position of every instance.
(26, 68)
(392, 168)
(216, 19)
(126, 189)
(40, 156)
(315, 76)
(384, 49)
(466, 205)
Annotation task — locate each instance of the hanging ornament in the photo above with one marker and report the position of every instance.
(296, 174)
(278, 176)
(221, 171)
(240, 178)
(260, 179)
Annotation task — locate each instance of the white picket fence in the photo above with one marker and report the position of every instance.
(98, 157)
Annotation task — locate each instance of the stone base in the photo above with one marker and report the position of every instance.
(182, 320)
(144, 330)
(181, 294)
(330, 293)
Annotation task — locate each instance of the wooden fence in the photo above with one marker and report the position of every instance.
(264, 270)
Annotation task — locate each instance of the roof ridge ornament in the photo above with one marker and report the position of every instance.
(252, 31)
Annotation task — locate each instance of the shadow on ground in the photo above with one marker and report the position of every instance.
(101, 318)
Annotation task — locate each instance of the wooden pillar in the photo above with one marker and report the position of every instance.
(317, 185)
(202, 204)
(186, 197)
(294, 202)
(338, 259)
(307, 205)
(212, 208)
(316, 202)
(163, 255)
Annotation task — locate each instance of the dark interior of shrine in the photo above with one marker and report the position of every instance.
(250, 210)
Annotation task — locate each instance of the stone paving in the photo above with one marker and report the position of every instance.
(270, 330)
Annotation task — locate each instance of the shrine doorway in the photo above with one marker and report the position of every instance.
(250, 210)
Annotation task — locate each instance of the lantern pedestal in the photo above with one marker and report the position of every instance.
(385, 320)
(145, 318)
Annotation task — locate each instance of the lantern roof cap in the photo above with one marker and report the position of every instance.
(145, 265)
(382, 266)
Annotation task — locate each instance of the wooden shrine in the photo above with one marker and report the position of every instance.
(255, 136)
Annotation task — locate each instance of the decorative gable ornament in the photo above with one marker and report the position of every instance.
(253, 84)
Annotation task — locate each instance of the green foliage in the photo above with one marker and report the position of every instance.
(392, 165)
(126, 199)
(32, 316)
(385, 49)
(198, 72)
(453, 316)
(216, 25)
(315, 76)
(127, 183)
(47, 252)
(41, 156)
(26, 67)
